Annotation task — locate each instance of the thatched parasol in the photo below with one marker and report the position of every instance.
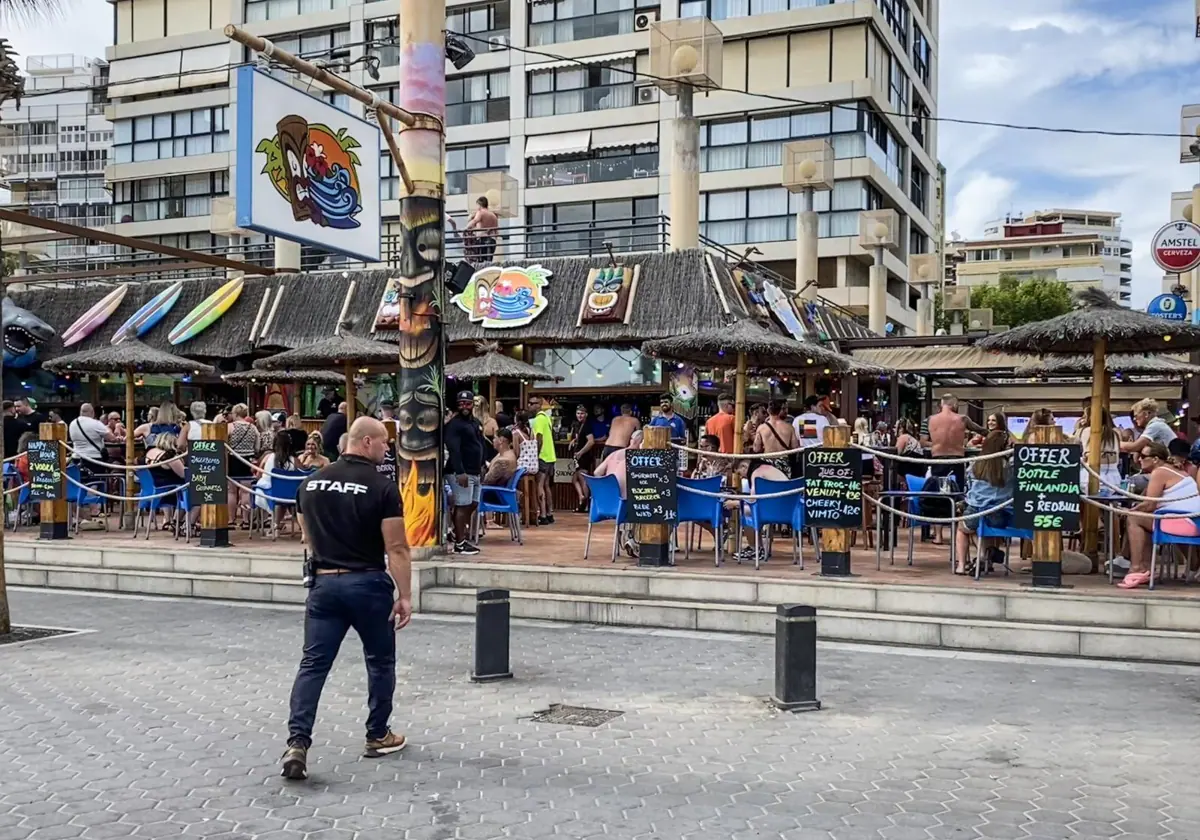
(344, 350)
(129, 357)
(751, 345)
(1119, 363)
(1096, 327)
(493, 366)
(263, 377)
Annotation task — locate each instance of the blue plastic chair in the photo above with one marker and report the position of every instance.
(694, 507)
(1159, 537)
(1007, 534)
(780, 511)
(13, 475)
(285, 484)
(496, 499)
(79, 497)
(150, 506)
(606, 505)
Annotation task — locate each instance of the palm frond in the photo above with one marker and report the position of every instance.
(30, 11)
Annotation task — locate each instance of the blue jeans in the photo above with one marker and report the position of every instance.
(362, 600)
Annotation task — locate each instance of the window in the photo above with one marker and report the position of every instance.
(918, 242)
(767, 214)
(918, 189)
(177, 197)
(478, 98)
(723, 9)
(561, 21)
(896, 13)
(616, 164)
(200, 131)
(383, 40)
(920, 54)
(571, 90)
(92, 160)
(275, 9)
(898, 86)
(920, 120)
(319, 43)
(461, 161)
(483, 22)
(582, 228)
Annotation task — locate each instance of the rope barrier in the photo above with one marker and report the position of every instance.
(94, 492)
(258, 492)
(1131, 495)
(110, 465)
(257, 468)
(17, 488)
(1140, 513)
(937, 520)
(747, 456)
(966, 459)
(739, 496)
(12, 458)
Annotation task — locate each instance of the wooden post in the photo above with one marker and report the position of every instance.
(1047, 545)
(1091, 515)
(739, 405)
(131, 486)
(835, 542)
(849, 398)
(351, 395)
(492, 395)
(296, 399)
(54, 514)
(654, 540)
(214, 518)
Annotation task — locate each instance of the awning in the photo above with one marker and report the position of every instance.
(944, 360)
(587, 59)
(625, 135)
(569, 143)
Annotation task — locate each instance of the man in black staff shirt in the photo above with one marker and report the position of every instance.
(351, 515)
(464, 444)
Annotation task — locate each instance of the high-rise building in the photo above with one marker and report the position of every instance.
(557, 98)
(53, 151)
(1083, 248)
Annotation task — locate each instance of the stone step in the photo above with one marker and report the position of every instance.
(1134, 611)
(151, 582)
(138, 556)
(973, 634)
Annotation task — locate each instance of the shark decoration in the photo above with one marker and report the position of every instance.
(22, 333)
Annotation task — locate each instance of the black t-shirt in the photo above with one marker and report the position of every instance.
(344, 506)
(464, 445)
(326, 407)
(14, 427)
(331, 432)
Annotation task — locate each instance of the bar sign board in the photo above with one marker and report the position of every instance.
(1047, 487)
(209, 477)
(651, 478)
(833, 488)
(45, 477)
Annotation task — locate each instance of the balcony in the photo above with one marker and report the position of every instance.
(593, 170)
(599, 98)
(477, 113)
(580, 28)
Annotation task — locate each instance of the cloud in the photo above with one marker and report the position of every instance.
(85, 29)
(982, 198)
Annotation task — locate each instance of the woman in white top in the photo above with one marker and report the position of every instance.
(191, 429)
(1110, 454)
(280, 459)
(1179, 493)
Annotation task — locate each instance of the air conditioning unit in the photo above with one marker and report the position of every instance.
(647, 95)
(497, 42)
(642, 20)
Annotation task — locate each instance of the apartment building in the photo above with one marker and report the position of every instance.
(564, 113)
(54, 149)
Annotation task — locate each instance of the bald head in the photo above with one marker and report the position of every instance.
(368, 439)
(86, 410)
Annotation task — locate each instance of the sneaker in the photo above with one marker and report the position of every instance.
(91, 525)
(465, 547)
(543, 520)
(388, 744)
(550, 519)
(1119, 562)
(295, 764)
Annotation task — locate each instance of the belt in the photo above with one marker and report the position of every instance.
(344, 571)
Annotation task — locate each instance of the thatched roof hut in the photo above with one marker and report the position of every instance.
(336, 351)
(129, 355)
(262, 377)
(1135, 363)
(496, 364)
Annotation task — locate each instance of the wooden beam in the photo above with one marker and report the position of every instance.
(95, 235)
(60, 276)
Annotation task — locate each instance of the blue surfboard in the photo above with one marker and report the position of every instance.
(144, 320)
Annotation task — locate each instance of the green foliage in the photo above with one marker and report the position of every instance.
(1014, 301)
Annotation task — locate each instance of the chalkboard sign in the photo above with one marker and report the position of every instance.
(1047, 487)
(45, 477)
(653, 493)
(388, 467)
(209, 477)
(833, 488)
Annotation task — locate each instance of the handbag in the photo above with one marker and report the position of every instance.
(795, 461)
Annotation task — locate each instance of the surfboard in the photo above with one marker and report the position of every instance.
(142, 321)
(207, 313)
(87, 323)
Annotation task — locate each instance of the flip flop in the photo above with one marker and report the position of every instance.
(1134, 579)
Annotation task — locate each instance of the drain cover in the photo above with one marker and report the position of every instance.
(575, 715)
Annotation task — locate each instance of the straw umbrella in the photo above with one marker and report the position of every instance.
(750, 345)
(265, 377)
(129, 357)
(345, 351)
(1164, 366)
(493, 366)
(1095, 328)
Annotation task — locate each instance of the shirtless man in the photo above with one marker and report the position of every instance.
(948, 433)
(621, 431)
(614, 462)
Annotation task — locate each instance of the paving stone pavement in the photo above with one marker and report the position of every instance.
(168, 721)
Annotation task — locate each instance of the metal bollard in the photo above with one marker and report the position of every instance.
(796, 659)
(491, 636)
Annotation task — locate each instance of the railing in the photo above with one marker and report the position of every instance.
(581, 100)
(593, 170)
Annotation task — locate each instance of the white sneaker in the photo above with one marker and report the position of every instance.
(91, 525)
(1119, 562)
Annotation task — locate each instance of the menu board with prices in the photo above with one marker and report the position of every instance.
(1046, 497)
(833, 488)
(209, 484)
(388, 468)
(45, 475)
(653, 493)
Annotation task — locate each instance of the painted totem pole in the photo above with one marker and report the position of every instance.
(422, 91)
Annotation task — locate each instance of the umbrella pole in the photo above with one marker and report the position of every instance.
(1091, 516)
(351, 395)
(130, 511)
(492, 394)
(739, 405)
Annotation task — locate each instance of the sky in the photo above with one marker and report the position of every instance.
(1125, 65)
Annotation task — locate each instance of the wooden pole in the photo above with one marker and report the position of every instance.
(492, 394)
(1047, 545)
(835, 542)
(1091, 515)
(739, 405)
(214, 518)
(130, 508)
(54, 514)
(351, 395)
(653, 540)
